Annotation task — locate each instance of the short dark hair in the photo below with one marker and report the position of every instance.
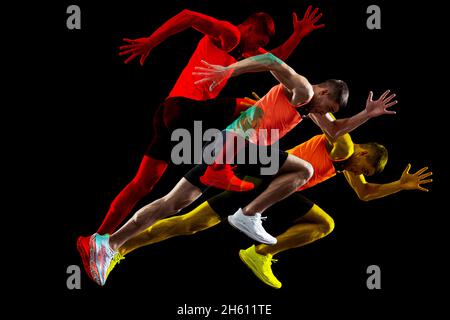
(378, 155)
(339, 91)
(262, 21)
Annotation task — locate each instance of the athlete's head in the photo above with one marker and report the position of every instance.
(368, 159)
(329, 96)
(256, 31)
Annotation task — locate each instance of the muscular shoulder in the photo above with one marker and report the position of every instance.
(342, 149)
(303, 91)
(229, 36)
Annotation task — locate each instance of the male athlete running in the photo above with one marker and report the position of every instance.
(223, 43)
(294, 91)
(297, 220)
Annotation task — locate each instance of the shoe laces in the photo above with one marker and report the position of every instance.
(259, 219)
(110, 252)
(269, 261)
(228, 171)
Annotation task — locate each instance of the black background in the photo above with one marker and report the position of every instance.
(102, 111)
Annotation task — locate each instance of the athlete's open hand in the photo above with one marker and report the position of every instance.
(375, 108)
(212, 73)
(136, 48)
(308, 23)
(412, 181)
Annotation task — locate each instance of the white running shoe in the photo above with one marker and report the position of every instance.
(251, 226)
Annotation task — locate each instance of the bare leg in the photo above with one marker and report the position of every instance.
(183, 194)
(201, 218)
(315, 225)
(294, 173)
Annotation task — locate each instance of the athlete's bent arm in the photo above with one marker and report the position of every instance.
(374, 108)
(370, 191)
(298, 88)
(224, 33)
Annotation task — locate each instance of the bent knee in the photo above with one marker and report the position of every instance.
(328, 225)
(304, 174)
(304, 169)
(324, 222)
(308, 170)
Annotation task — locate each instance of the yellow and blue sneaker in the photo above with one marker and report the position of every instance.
(260, 265)
(100, 257)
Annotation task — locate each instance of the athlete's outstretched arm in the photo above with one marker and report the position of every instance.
(298, 88)
(370, 191)
(224, 33)
(373, 109)
(301, 29)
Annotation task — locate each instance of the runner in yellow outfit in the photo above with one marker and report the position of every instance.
(302, 226)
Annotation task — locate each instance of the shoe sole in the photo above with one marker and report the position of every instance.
(84, 254)
(92, 264)
(249, 263)
(248, 234)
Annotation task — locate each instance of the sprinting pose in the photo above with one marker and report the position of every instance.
(279, 109)
(301, 221)
(294, 90)
(223, 43)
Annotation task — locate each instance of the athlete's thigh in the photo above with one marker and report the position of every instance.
(293, 164)
(315, 215)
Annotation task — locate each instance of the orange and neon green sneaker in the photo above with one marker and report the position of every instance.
(223, 177)
(100, 257)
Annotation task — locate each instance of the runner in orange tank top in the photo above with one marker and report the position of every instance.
(295, 228)
(279, 109)
(292, 173)
(223, 43)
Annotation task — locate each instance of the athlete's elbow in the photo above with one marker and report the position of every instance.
(272, 61)
(187, 17)
(364, 196)
(186, 12)
(334, 132)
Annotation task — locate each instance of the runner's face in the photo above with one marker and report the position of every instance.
(322, 104)
(361, 165)
(253, 40)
